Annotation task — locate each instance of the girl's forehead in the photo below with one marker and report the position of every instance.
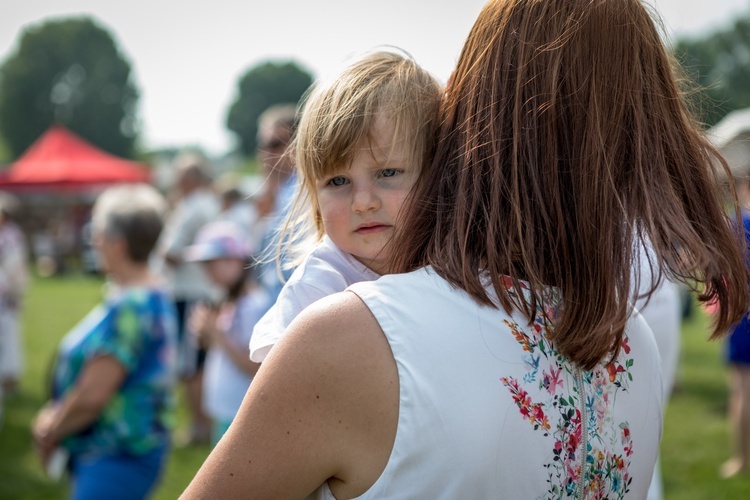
(372, 154)
(380, 144)
(383, 129)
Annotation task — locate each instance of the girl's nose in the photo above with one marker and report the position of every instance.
(365, 200)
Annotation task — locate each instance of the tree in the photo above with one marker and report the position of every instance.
(262, 86)
(71, 72)
(719, 64)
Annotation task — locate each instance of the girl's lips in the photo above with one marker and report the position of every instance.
(371, 229)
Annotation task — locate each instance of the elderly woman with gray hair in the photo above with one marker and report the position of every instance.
(113, 380)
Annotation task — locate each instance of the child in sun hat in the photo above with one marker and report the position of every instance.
(223, 250)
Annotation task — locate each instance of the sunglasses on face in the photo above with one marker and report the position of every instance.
(272, 144)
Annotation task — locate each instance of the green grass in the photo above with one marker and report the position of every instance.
(696, 435)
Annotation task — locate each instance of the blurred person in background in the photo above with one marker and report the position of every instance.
(196, 206)
(738, 358)
(13, 281)
(113, 380)
(241, 210)
(662, 310)
(276, 127)
(222, 248)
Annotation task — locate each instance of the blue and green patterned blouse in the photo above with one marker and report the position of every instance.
(137, 326)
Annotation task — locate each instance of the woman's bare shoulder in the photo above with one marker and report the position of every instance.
(323, 407)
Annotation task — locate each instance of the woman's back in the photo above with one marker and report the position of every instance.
(489, 409)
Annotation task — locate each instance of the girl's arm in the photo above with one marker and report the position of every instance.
(203, 322)
(323, 407)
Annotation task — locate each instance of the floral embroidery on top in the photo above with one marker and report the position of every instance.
(561, 405)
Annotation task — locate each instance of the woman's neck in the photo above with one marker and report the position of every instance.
(132, 274)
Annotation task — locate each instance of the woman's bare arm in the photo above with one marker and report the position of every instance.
(323, 407)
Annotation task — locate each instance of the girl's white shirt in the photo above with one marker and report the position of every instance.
(327, 270)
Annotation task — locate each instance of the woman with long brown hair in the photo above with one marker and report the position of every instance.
(507, 360)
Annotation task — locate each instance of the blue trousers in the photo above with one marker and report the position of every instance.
(116, 477)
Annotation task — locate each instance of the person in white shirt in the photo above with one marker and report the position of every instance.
(659, 304)
(503, 357)
(360, 144)
(197, 205)
(276, 128)
(14, 278)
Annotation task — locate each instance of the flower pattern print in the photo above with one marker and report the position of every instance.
(590, 451)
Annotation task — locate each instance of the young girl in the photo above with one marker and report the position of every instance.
(361, 142)
(222, 248)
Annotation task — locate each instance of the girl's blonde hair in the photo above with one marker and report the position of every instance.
(339, 116)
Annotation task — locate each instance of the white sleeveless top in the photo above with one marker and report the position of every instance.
(489, 409)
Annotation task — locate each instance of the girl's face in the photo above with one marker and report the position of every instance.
(360, 205)
(224, 272)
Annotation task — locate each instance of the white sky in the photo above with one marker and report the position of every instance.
(187, 57)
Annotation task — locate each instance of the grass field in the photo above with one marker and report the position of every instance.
(695, 442)
(696, 433)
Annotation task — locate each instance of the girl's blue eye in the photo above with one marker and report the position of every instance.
(338, 181)
(388, 172)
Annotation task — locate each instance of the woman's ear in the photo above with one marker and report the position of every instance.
(119, 245)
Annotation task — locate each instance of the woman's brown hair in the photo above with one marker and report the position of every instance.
(565, 143)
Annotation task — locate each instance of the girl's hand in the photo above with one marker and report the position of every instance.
(202, 323)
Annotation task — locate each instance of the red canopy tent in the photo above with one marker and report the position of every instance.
(61, 161)
(57, 179)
